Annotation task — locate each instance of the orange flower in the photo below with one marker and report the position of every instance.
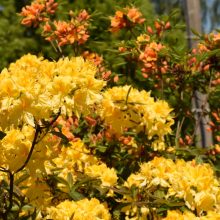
(149, 59)
(47, 27)
(37, 12)
(106, 75)
(69, 32)
(116, 78)
(91, 121)
(135, 16)
(118, 21)
(33, 14)
(167, 25)
(157, 25)
(99, 62)
(94, 57)
(150, 30)
(51, 6)
(126, 18)
(83, 16)
(81, 34)
(64, 32)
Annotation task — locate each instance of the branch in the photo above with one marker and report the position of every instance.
(34, 142)
(37, 132)
(11, 188)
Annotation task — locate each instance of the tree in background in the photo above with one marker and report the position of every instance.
(16, 40)
(210, 15)
(210, 11)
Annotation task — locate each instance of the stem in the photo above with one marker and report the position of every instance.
(11, 190)
(48, 126)
(37, 131)
(162, 85)
(129, 90)
(54, 47)
(178, 130)
(11, 174)
(132, 33)
(34, 142)
(59, 49)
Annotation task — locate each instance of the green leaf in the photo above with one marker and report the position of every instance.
(15, 208)
(27, 207)
(125, 53)
(102, 149)
(61, 135)
(161, 209)
(61, 180)
(70, 179)
(195, 32)
(119, 64)
(129, 90)
(159, 194)
(21, 178)
(76, 196)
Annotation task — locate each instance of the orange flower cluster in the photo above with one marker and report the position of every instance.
(186, 141)
(65, 126)
(37, 12)
(160, 27)
(193, 61)
(215, 125)
(215, 150)
(99, 63)
(149, 59)
(69, 32)
(127, 18)
(211, 42)
(216, 81)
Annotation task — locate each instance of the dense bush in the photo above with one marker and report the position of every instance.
(86, 135)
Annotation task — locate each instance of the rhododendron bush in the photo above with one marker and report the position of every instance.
(82, 140)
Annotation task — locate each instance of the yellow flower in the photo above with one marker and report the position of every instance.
(63, 211)
(211, 215)
(136, 180)
(176, 214)
(74, 155)
(81, 210)
(195, 183)
(37, 192)
(204, 201)
(40, 87)
(125, 108)
(106, 175)
(70, 160)
(15, 147)
(187, 215)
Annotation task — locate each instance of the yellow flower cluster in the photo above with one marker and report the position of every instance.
(81, 210)
(77, 158)
(37, 191)
(36, 87)
(15, 147)
(75, 155)
(195, 183)
(127, 108)
(106, 175)
(33, 89)
(176, 214)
